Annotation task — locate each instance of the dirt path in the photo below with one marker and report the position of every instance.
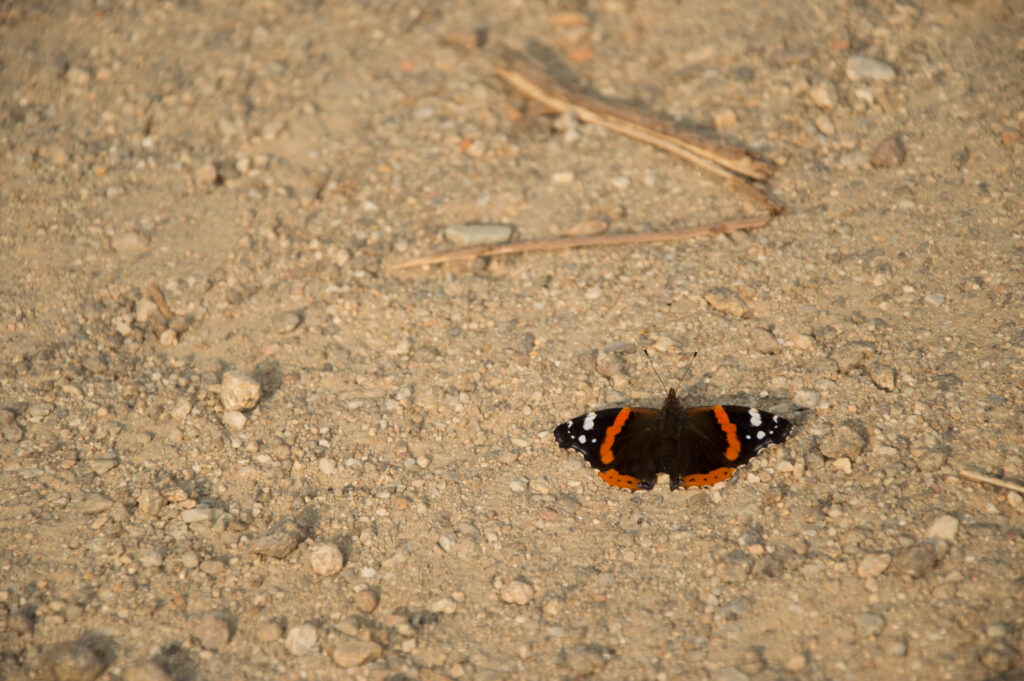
(189, 189)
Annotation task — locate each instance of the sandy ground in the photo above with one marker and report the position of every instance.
(190, 189)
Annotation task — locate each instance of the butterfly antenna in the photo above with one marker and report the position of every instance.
(686, 373)
(655, 369)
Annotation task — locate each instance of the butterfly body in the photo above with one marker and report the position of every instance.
(695, 447)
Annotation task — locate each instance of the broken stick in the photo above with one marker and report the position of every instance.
(474, 252)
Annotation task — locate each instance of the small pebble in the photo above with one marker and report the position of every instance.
(869, 624)
(207, 174)
(764, 342)
(199, 514)
(944, 527)
(269, 632)
(444, 606)
(212, 632)
(286, 322)
(235, 420)
(366, 600)
(883, 376)
(478, 234)
(824, 95)
(72, 661)
(852, 355)
(104, 465)
(129, 243)
(796, 663)
(724, 119)
(588, 228)
(355, 653)
(862, 67)
(846, 441)
(326, 559)
(723, 300)
(889, 153)
(279, 541)
(301, 639)
(916, 561)
(96, 503)
(151, 502)
(239, 391)
(806, 399)
(873, 564)
(517, 592)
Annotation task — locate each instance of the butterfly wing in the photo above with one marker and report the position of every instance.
(722, 438)
(619, 443)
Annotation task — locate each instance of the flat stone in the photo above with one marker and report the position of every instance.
(444, 606)
(96, 503)
(355, 653)
(824, 95)
(151, 502)
(944, 527)
(478, 234)
(883, 376)
(862, 67)
(764, 342)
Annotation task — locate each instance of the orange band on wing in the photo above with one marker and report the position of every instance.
(606, 453)
(710, 478)
(616, 479)
(732, 452)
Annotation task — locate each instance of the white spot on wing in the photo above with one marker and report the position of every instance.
(760, 435)
(588, 422)
(755, 417)
(582, 439)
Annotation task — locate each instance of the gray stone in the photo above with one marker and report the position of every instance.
(862, 67)
(869, 624)
(279, 541)
(916, 561)
(478, 234)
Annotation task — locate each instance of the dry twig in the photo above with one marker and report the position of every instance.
(998, 482)
(726, 227)
(738, 166)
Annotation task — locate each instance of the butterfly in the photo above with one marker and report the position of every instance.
(696, 446)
